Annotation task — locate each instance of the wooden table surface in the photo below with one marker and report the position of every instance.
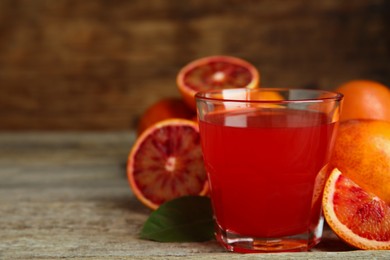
(65, 195)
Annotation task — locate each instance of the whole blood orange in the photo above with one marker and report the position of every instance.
(362, 153)
(365, 99)
(166, 162)
(162, 109)
(215, 72)
(358, 217)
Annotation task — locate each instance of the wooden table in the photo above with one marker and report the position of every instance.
(65, 195)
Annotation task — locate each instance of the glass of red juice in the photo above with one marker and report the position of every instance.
(266, 152)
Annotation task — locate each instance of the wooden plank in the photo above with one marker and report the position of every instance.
(67, 196)
(79, 65)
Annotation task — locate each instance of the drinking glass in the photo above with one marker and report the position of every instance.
(266, 152)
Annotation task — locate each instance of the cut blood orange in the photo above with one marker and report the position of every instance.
(166, 162)
(215, 72)
(358, 217)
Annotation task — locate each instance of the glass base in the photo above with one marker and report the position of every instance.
(245, 244)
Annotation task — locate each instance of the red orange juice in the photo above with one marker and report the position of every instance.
(262, 167)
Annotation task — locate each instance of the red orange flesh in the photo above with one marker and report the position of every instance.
(358, 217)
(166, 162)
(215, 72)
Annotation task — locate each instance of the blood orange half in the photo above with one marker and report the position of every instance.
(215, 72)
(358, 217)
(166, 162)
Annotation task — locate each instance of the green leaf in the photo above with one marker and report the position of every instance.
(186, 219)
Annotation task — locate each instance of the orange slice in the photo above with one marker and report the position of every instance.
(215, 72)
(358, 217)
(166, 162)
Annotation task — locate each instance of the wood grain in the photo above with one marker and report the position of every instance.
(65, 195)
(97, 65)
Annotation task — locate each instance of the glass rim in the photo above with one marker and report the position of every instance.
(335, 96)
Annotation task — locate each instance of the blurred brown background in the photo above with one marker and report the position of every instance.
(97, 65)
